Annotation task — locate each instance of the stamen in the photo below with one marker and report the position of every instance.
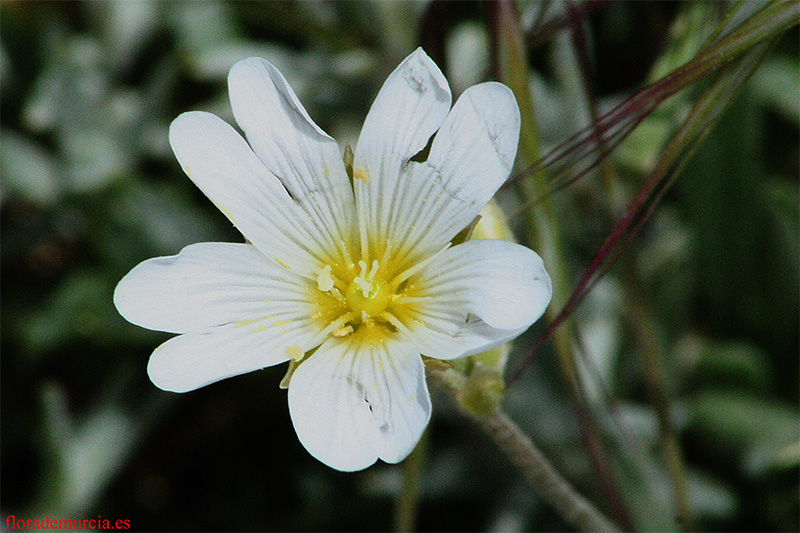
(295, 353)
(346, 253)
(362, 230)
(325, 279)
(360, 173)
(338, 325)
(344, 331)
(328, 282)
(393, 320)
(407, 273)
(337, 294)
(386, 251)
(288, 376)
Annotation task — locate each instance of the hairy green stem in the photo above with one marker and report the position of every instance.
(571, 505)
(531, 462)
(511, 60)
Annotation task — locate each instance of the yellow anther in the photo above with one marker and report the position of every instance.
(295, 353)
(360, 173)
(366, 298)
(325, 279)
(343, 331)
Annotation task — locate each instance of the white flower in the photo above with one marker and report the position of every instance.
(351, 279)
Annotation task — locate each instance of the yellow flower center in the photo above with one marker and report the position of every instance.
(371, 298)
(368, 299)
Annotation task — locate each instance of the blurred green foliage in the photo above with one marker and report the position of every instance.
(90, 188)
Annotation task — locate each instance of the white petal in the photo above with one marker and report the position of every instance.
(193, 360)
(450, 335)
(501, 283)
(292, 147)
(410, 107)
(206, 285)
(352, 404)
(223, 166)
(471, 156)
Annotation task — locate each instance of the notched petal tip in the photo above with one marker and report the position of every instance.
(420, 73)
(351, 406)
(255, 85)
(498, 110)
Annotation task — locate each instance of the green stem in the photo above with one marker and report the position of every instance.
(571, 505)
(407, 503)
(531, 462)
(546, 237)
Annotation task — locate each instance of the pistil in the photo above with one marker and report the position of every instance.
(369, 300)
